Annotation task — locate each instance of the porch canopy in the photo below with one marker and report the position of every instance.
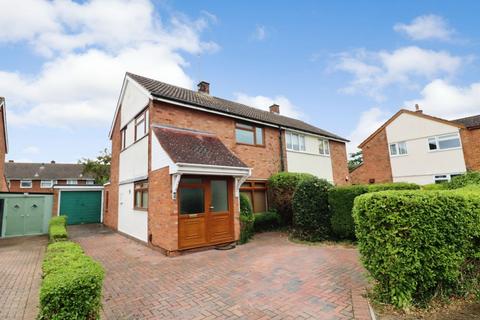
(191, 152)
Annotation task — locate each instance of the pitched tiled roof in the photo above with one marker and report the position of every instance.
(45, 171)
(469, 122)
(168, 91)
(188, 146)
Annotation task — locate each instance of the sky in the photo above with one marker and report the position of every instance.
(344, 66)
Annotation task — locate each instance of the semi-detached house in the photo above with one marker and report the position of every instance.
(415, 147)
(180, 158)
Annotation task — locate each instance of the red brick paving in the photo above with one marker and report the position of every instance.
(20, 276)
(268, 278)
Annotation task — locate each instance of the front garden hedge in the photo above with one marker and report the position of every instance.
(72, 283)
(469, 178)
(419, 244)
(281, 187)
(311, 213)
(246, 219)
(266, 221)
(57, 229)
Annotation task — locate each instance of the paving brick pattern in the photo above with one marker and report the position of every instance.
(268, 278)
(20, 276)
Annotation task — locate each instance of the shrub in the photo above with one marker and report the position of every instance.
(469, 178)
(311, 214)
(281, 187)
(392, 186)
(72, 283)
(341, 204)
(266, 221)
(246, 219)
(416, 244)
(435, 186)
(57, 229)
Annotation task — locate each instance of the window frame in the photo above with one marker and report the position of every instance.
(252, 188)
(326, 147)
(140, 119)
(143, 189)
(123, 138)
(253, 130)
(441, 137)
(26, 180)
(397, 149)
(70, 182)
(300, 138)
(43, 187)
(89, 182)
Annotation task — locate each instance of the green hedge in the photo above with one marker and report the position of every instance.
(246, 219)
(57, 229)
(435, 186)
(392, 186)
(418, 244)
(281, 187)
(72, 283)
(266, 221)
(470, 178)
(311, 213)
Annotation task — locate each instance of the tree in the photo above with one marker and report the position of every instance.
(98, 167)
(356, 159)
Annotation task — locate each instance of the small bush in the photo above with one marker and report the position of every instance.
(281, 187)
(393, 186)
(246, 219)
(311, 214)
(419, 244)
(469, 178)
(57, 229)
(266, 221)
(341, 204)
(72, 283)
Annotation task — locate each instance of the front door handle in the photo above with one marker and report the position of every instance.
(212, 207)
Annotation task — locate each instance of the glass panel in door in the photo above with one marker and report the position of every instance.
(192, 201)
(219, 196)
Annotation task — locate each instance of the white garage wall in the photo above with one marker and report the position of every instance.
(131, 222)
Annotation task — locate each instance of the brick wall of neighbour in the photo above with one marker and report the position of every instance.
(338, 156)
(376, 162)
(56, 192)
(110, 217)
(15, 186)
(265, 161)
(471, 148)
(3, 181)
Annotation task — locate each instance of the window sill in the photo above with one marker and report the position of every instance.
(443, 150)
(398, 155)
(140, 209)
(251, 145)
(310, 153)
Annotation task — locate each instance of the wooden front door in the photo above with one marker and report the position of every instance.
(205, 206)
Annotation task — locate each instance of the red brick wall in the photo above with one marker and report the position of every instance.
(471, 148)
(265, 161)
(338, 156)
(15, 186)
(110, 217)
(376, 162)
(3, 181)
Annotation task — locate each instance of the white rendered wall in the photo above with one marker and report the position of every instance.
(134, 161)
(134, 100)
(130, 221)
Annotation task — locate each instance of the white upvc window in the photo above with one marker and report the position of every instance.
(72, 181)
(445, 177)
(45, 184)
(323, 147)
(295, 141)
(25, 184)
(444, 142)
(90, 182)
(398, 149)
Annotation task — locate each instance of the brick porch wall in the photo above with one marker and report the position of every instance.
(338, 156)
(376, 162)
(471, 148)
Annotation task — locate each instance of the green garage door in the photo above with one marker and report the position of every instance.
(81, 206)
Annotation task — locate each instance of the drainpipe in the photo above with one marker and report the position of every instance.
(280, 139)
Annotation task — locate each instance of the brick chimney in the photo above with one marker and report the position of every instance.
(275, 108)
(204, 87)
(11, 161)
(417, 108)
(53, 161)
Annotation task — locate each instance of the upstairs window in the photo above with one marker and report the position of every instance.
(323, 147)
(45, 184)
(248, 134)
(398, 149)
(25, 184)
(295, 141)
(449, 141)
(123, 137)
(90, 182)
(141, 125)
(72, 182)
(141, 195)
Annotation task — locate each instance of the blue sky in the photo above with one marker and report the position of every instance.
(344, 66)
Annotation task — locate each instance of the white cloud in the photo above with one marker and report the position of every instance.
(87, 51)
(31, 150)
(374, 71)
(439, 98)
(426, 27)
(369, 121)
(287, 108)
(260, 33)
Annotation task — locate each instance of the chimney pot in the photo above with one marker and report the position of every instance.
(417, 108)
(275, 108)
(11, 161)
(53, 161)
(204, 87)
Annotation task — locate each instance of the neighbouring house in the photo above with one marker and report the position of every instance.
(414, 147)
(3, 144)
(180, 158)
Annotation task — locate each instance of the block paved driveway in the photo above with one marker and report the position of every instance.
(20, 276)
(268, 278)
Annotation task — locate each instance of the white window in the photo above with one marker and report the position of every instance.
(25, 184)
(445, 142)
(323, 147)
(295, 141)
(90, 182)
(445, 177)
(72, 181)
(46, 184)
(398, 148)
(141, 125)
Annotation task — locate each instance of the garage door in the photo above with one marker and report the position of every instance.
(24, 216)
(81, 206)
